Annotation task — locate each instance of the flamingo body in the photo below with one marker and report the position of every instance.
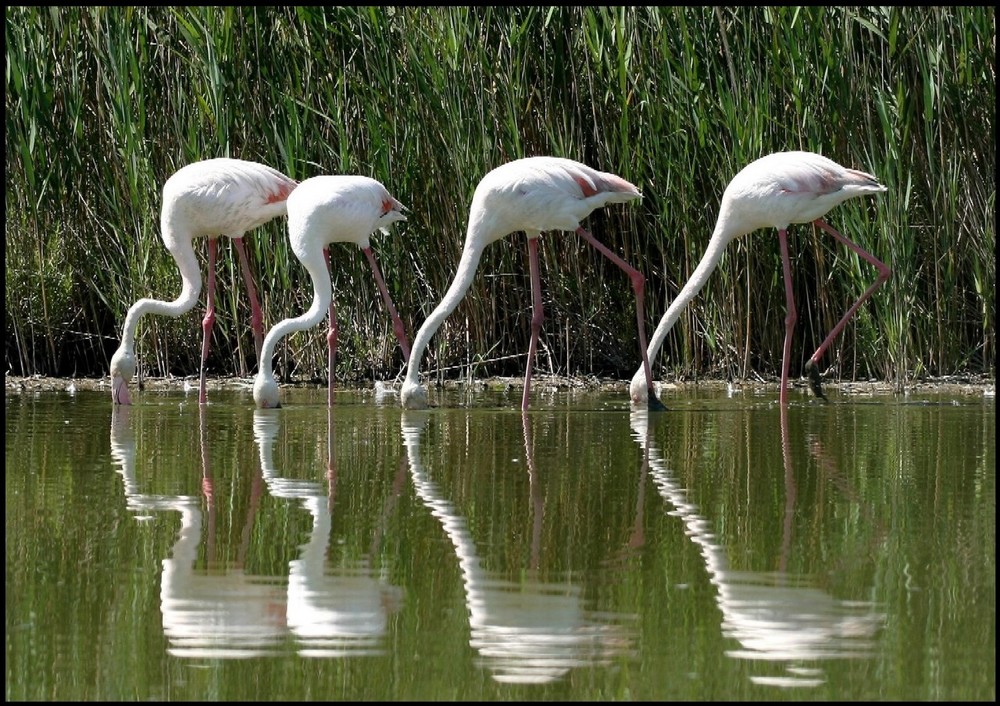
(783, 188)
(774, 191)
(538, 194)
(210, 198)
(323, 210)
(532, 195)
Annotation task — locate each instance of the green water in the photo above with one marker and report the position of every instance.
(578, 552)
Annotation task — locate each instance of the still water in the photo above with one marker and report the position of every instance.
(581, 551)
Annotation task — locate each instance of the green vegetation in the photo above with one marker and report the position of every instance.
(103, 104)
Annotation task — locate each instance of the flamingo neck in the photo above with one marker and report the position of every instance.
(459, 286)
(322, 293)
(709, 261)
(187, 263)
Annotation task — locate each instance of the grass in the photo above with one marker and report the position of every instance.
(103, 104)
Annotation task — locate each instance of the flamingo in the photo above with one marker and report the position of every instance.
(323, 210)
(773, 192)
(209, 198)
(533, 194)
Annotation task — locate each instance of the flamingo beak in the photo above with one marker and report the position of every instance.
(119, 390)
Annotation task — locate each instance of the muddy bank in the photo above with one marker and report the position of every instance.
(951, 385)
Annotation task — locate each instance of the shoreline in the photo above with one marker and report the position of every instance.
(982, 385)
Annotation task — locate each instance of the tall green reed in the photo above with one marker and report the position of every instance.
(103, 104)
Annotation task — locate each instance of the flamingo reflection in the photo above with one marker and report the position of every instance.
(530, 631)
(332, 611)
(217, 612)
(774, 616)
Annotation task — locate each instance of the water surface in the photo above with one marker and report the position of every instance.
(722, 550)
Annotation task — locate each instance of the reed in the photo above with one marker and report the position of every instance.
(103, 104)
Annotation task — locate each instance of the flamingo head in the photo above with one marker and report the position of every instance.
(122, 372)
(413, 395)
(265, 392)
(637, 389)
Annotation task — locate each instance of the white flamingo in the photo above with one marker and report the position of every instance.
(323, 210)
(534, 194)
(208, 199)
(774, 192)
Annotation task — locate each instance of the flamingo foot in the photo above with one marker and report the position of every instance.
(815, 383)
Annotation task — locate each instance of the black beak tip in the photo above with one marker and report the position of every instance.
(653, 403)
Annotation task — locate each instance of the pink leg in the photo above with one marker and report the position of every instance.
(397, 323)
(256, 317)
(209, 321)
(884, 272)
(331, 337)
(639, 285)
(537, 317)
(791, 316)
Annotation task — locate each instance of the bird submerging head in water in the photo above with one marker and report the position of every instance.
(208, 199)
(774, 192)
(532, 195)
(323, 210)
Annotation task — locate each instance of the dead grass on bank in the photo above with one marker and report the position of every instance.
(971, 385)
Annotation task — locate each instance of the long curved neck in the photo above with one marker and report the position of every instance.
(187, 263)
(709, 261)
(322, 293)
(459, 286)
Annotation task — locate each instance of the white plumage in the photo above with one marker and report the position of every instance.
(210, 198)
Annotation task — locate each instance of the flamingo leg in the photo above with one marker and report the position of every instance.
(639, 285)
(397, 323)
(256, 317)
(537, 317)
(791, 315)
(209, 321)
(331, 337)
(884, 272)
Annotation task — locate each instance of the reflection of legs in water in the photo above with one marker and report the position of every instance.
(391, 600)
(207, 486)
(331, 467)
(790, 491)
(209, 491)
(537, 501)
(390, 505)
(524, 630)
(390, 597)
(831, 471)
(256, 491)
(638, 536)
